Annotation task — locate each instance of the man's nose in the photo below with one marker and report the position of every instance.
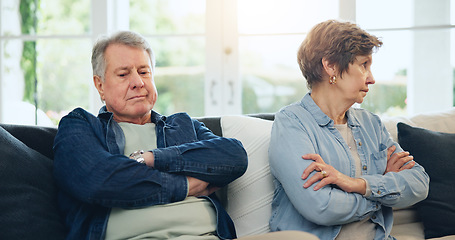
(136, 81)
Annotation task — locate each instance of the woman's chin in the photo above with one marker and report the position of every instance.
(360, 101)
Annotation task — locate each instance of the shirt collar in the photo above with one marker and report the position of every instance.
(156, 117)
(321, 118)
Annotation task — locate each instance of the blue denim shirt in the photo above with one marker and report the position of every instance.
(303, 128)
(94, 175)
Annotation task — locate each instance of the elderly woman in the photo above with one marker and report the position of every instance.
(133, 173)
(338, 173)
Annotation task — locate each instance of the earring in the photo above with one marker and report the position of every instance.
(333, 79)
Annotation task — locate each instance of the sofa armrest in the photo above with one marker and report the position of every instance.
(40, 139)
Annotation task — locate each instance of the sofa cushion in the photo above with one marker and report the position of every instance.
(250, 196)
(435, 151)
(212, 123)
(40, 139)
(441, 121)
(28, 194)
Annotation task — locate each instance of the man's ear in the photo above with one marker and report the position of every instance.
(99, 84)
(329, 68)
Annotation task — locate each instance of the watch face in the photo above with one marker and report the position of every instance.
(137, 155)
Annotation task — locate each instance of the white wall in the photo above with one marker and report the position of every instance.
(431, 85)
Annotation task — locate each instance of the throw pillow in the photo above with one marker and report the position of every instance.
(250, 196)
(28, 193)
(435, 151)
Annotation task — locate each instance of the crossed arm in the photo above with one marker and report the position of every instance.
(390, 184)
(396, 162)
(85, 168)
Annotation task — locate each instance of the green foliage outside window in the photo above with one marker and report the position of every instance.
(180, 76)
(387, 98)
(252, 102)
(56, 70)
(384, 98)
(180, 93)
(28, 9)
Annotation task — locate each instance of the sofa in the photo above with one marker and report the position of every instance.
(28, 191)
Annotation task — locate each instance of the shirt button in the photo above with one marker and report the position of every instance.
(379, 191)
(365, 167)
(373, 217)
(360, 143)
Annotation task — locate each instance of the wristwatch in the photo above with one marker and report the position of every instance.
(137, 155)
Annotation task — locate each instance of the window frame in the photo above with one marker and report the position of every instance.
(223, 84)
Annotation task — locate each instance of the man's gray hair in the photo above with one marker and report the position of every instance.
(127, 38)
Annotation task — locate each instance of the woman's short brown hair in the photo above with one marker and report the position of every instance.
(338, 42)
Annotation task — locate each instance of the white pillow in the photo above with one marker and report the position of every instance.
(440, 121)
(249, 197)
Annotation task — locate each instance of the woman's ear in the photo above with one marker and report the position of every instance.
(329, 68)
(99, 84)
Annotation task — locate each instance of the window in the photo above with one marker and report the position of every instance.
(44, 59)
(414, 68)
(268, 38)
(176, 32)
(218, 57)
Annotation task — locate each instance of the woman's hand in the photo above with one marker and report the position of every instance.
(329, 175)
(396, 162)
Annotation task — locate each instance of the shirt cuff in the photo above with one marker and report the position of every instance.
(368, 188)
(187, 187)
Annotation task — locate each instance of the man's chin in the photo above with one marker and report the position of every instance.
(138, 107)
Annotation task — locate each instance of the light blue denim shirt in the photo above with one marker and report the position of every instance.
(303, 128)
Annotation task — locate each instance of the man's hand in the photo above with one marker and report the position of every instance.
(198, 187)
(149, 159)
(396, 162)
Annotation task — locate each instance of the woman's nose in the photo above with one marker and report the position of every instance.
(370, 79)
